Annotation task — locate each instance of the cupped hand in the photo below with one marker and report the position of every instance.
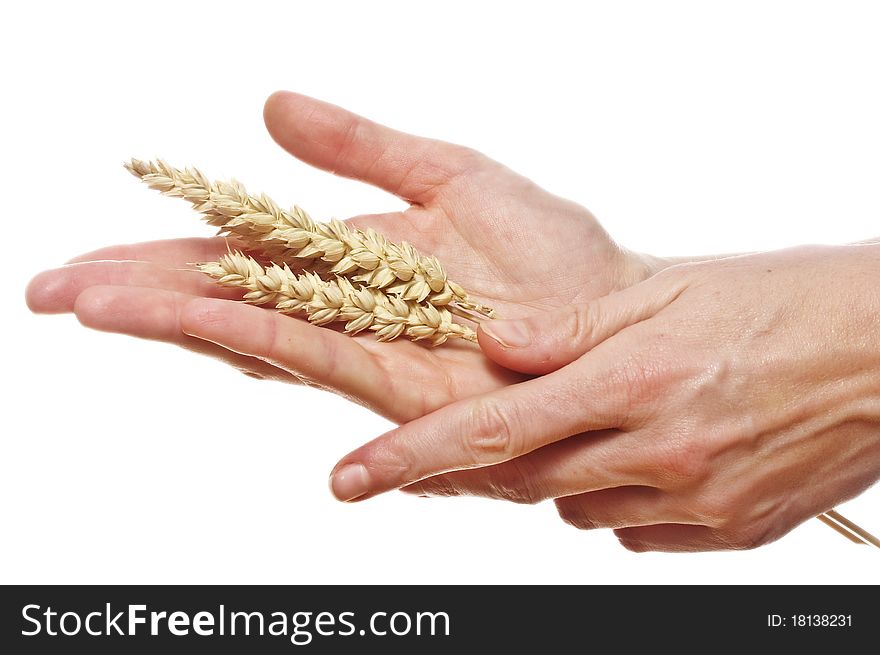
(497, 233)
(715, 405)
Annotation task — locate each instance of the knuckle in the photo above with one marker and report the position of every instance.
(580, 324)
(489, 436)
(637, 384)
(354, 126)
(744, 537)
(438, 485)
(646, 375)
(571, 511)
(717, 510)
(683, 461)
(514, 482)
(389, 459)
(628, 539)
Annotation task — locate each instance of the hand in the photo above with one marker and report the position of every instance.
(715, 405)
(497, 233)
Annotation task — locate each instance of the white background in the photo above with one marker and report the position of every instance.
(686, 127)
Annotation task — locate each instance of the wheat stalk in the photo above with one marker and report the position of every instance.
(336, 299)
(282, 236)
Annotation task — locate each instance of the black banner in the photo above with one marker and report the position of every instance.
(418, 619)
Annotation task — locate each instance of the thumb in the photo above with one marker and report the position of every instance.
(544, 342)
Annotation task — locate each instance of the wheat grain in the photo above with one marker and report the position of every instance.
(336, 299)
(294, 238)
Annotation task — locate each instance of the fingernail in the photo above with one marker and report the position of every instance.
(350, 482)
(510, 334)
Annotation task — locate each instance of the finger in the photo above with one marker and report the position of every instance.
(318, 356)
(621, 507)
(55, 291)
(167, 252)
(582, 463)
(336, 140)
(670, 538)
(488, 429)
(155, 314)
(544, 342)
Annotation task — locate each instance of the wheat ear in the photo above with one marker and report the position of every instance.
(336, 299)
(282, 236)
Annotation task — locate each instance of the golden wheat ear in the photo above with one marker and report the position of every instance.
(336, 300)
(294, 238)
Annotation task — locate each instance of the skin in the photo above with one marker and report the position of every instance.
(612, 427)
(714, 406)
(457, 197)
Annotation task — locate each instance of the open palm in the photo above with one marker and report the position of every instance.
(513, 245)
